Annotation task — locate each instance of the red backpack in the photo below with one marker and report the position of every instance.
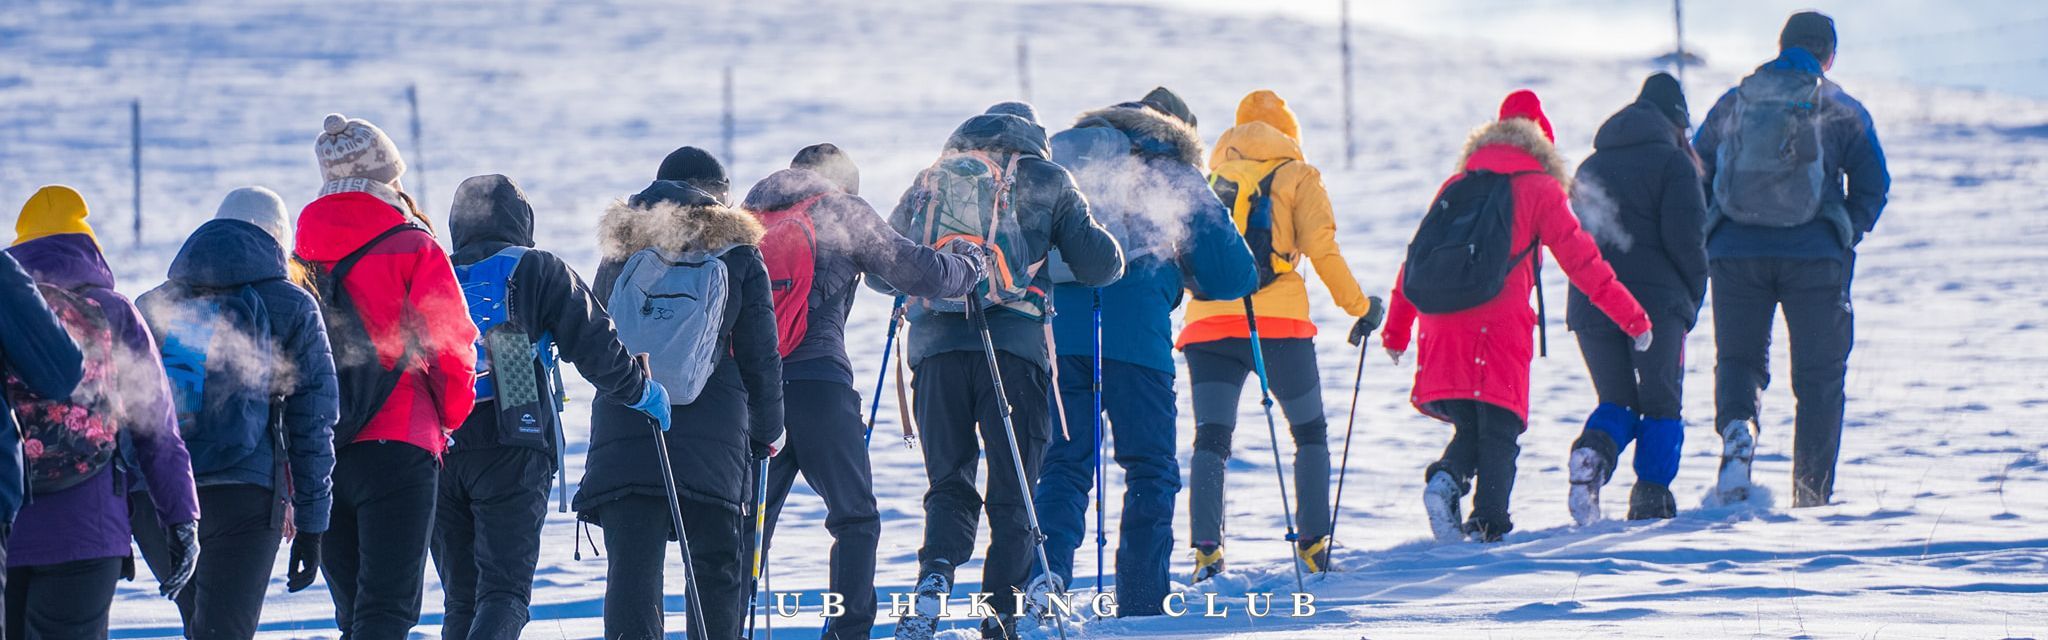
(790, 249)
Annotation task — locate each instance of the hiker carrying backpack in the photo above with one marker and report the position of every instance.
(1467, 267)
(528, 307)
(248, 361)
(71, 540)
(686, 285)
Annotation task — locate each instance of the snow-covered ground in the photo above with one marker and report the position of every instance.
(1944, 485)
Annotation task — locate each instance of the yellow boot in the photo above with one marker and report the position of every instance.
(1208, 561)
(1314, 554)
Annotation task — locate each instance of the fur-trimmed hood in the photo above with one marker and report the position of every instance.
(674, 227)
(1152, 132)
(1496, 147)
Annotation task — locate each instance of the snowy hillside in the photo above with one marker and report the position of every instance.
(1943, 489)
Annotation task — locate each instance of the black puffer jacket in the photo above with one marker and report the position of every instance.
(709, 442)
(852, 239)
(545, 296)
(1639, 196)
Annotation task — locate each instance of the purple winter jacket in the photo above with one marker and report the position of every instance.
(91, 520)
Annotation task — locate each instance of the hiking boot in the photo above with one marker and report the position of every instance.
(1738, 451)
(1000, 628)
(1649, 500)
(1314, 554)
(1208, 561)
(1440, 499)
(923, 622)
(1592, 464)
(1038, 595)
(1486, 530)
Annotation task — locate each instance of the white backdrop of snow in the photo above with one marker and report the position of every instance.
(578, 101)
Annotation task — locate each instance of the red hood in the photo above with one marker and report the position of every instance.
(1498, 158)
(335, 225)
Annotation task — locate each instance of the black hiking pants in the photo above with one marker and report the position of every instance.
(375, 550)
(1483, 446)
(825, 445)
(956, 408)
(64, 601)
(1814, 294)
(238, 540)
(487, 538)
(637, 531)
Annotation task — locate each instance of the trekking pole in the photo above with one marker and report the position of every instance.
(1344, 461)
(1101, 538)
(675, 512)
(888, 344)
(760, 547)
(561, 435)
(988, 348)
(1251, 320)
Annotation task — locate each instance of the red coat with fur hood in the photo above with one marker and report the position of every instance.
(1483, 353)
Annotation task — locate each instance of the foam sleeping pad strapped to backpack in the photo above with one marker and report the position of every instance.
(1769, 171)
(1246, 186)
(66, 442)
(365, 383)
(222, 365)
(967, 195)
(512, 364)
(789, 246)
(673, 309)
(1460, 257)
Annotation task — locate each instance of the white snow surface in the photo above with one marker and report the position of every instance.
(1937, 531)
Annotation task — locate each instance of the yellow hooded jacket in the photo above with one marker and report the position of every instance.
(1303, 226)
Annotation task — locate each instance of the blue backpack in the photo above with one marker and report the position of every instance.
(514, 367)
(222, 365)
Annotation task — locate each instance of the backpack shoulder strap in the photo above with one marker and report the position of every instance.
(347, 263)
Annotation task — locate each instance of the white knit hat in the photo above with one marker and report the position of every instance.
(354, 148)
(260, 207)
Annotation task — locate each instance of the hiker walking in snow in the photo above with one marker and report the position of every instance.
(254, 388)
(1782, 232)
(37, 352)
(1639, 197)
(1259, 165)
(528, 306)
(1467, 278)
(69, 542)
(684, 273)
(404, 364)
(822, 237)
(1140, 164)
(996, 167)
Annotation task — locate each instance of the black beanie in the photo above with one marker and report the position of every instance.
(1810, 30)
(697, 167)
(1165, 101)
(1662, 91)
(828, 160)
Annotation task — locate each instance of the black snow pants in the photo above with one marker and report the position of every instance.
(1822, 324)
(637, 531)
(1483, 446)
(956, 407)
(375, 550)
(238, 540)
(825, 427)
(487, 526)
(64, 601)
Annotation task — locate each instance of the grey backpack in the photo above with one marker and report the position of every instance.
(1769, 171)
(672, 310)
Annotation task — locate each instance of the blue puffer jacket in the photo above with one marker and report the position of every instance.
(1141, 171)
(1850, 149)
(35, 348)
(232, 253)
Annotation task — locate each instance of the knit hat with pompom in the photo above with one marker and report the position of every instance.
(354, 148)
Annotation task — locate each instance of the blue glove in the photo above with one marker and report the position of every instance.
(654, 403)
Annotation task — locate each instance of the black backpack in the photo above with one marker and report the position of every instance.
(364, 382)
(1460, 257)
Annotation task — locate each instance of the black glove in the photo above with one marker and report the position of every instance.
(305, 562)
(184, 545)
(1374, 315)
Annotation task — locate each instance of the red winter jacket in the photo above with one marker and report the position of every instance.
(1483, 353)
(405, 287)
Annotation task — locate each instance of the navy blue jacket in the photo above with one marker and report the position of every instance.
(35, 348)
(1639, 196)
(1054, 215)
(1851, 150)
(232, 253)
(1141, 173)
(852, 239)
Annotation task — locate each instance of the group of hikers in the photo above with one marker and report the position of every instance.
(378, 401)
